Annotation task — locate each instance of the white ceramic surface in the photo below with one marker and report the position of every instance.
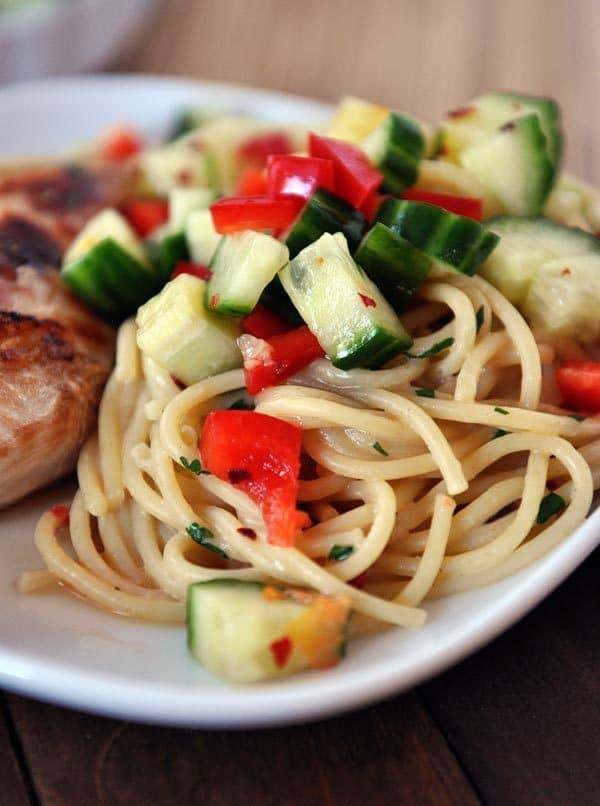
(57, 648)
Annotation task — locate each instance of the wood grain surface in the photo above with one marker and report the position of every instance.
(518, 723)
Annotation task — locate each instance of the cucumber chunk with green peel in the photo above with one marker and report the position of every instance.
(246, 632)
(184, 201)
(396, 267)
(513, 163)
(326, 212)
(107, 267)
(396, 147)
(345, 310)
(202, 237)
(186, 162)
(242, 266)
(452, 241)
(176, 331)
(550, 272)
(510, 142)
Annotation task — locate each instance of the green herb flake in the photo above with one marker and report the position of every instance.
(500, 410)
(479, 318)
(242, 404)
(425, 392)
(500, 433)
(194, 466)
(549, 506)
(203, 536)
(439, 347)
(578, 417)
(378, 447)
(340, 552)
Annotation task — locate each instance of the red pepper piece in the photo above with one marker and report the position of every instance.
(281, 649)
(298, 176)
(257, 149)
(62, 514)
(461, 205)
(268, 362)
(355, 179)
(263, 323)
(237, 213)
(579, 385)
(145, 215)
(251, 182)
(262, 453)
(119, 142)
(183, 267)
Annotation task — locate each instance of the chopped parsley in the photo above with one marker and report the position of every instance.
(340, 552)
(479, 318)
(549, 506)
(500, 433)
(378, 447)
(194, 466)
(500, 410)
(243, 404)
(203, 536)
(579, 417)
(425, 392)
(439, 347)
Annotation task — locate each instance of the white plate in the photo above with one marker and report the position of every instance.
(57, 648)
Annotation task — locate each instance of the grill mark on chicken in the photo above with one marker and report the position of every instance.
(25, 243)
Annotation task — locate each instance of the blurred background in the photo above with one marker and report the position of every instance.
(422, 56)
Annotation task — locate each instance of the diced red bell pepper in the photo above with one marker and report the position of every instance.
(145, 215)
(236, 213)
(355, 179)
(298, 176)
(371, 204)
(579, 385)
(263, 323)
(268, 362)
(257, 149)
(251, 182)
(183, 267)
(260, 455)
(119, 142)
(461, 205)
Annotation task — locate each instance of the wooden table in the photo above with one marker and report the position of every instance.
(518, 723)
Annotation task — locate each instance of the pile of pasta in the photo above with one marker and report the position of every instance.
(434, 469)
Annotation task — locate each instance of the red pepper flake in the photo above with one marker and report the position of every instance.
(184, 177)
(236, 475)
(508, 127)
(281, 649)
(565, 272)
(196, 145)
(368, 302)
(516, 105)
(214, 300)
(61, 513)
(461, 111)
(319, 261)
(246, 531)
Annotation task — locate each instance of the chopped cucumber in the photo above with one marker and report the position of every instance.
(345, 310)
(107, 267)
(511, 143)
(186, 162)
(453, 241)
(247, 631)
(184, 201)
(396, 147)
(202, 237)
(514, 165)
(393, 263)
(243, 265)
(550, 272)
(176, 330)
(355, 119)
(326, 212)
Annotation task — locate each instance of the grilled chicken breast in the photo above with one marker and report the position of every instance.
(55, 355)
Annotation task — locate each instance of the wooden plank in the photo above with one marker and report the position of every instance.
(523, 715)
(13, 786)
(390, 753)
